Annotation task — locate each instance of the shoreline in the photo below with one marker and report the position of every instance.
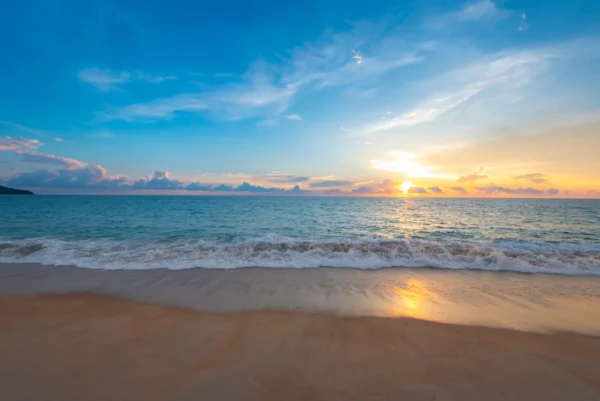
(98, 347)
(511, 300)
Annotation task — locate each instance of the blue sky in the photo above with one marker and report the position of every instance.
(351, 96)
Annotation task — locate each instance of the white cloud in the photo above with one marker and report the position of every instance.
(477, 10)
(268, 88)
(107, 80)
(104, 80)
(158, 109)
(18, 144)
(57, 139)
(39, 158)
(294, 117)
(504, 71)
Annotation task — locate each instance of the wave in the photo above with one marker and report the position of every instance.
(277, 251)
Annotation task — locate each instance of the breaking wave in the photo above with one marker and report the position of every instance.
(276, 251)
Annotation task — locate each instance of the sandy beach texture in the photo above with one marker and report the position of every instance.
(93, 347)
(68, 333)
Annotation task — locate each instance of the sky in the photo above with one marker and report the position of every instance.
(482, 98)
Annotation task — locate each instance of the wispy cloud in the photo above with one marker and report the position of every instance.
(476, 10)
(268, 88)
(106, 80)
(8, 143)
(283, 178)
(20, 127)
(295, 117)
(57, 139)
(536, 178)
(476, 175)
(158, 109)
(40, 158)
(503, 72)
(472, 11)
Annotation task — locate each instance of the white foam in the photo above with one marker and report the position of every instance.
(278, 251)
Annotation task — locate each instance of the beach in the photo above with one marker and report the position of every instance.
(272, 334)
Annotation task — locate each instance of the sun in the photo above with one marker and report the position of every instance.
(406, 186)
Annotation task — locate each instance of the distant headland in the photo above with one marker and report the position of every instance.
(13, 191)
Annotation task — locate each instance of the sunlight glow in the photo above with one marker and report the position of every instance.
(406, 186)
(403, 162)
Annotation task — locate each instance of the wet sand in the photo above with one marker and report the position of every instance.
(93, 347)
(283, 334)
(527, 302)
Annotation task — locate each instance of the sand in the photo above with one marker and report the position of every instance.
(95, 347)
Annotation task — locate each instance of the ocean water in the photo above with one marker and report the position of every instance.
(148, 232)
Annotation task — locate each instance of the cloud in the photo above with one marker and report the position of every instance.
(283, 178)
(385, 187)
(88, 177)
(58, 139)
(247, 187)
(268, 88)
(295, 117)
(476, 10)
(157, 109)
(331, 183)
(503, 72)
(161, 180)
(474, 176)
(297, 190)
(458, 189)
(39, 158)
(493, 189)
(153, 79)
(417, 190)
(18, 144)
(21, 128)
(104, 80)
(535, 178)
(334, 191)
(161, 174)
(436, 190)
(552, 191)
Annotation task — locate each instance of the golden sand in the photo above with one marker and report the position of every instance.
(91, 347)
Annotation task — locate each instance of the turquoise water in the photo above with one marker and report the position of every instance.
(143, 232)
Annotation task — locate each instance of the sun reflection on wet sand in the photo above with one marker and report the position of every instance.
(412, 300)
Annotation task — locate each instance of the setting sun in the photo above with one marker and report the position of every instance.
(406, 186)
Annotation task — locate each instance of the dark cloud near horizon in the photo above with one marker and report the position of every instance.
(331, 183)
(284, 178)
(417, 190)
(458, 189)
(493, 189)
(552, 191)
(385, 187)
(88, 177)
(436, 190)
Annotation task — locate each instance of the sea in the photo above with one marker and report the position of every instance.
(182, 232)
